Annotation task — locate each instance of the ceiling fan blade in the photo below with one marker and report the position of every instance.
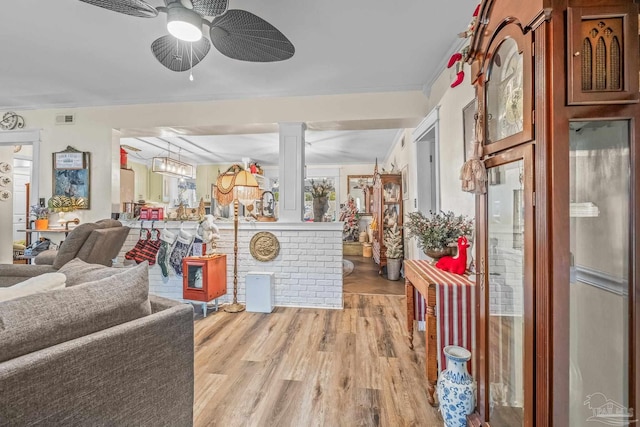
(138, 8)
(210, 7)
(242, 35)
(177, 55)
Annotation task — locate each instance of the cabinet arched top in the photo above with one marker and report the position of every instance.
(506, 88)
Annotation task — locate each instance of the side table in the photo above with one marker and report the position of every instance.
(204, 279)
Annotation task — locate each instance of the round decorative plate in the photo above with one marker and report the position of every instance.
(5, 180)
(5, 195)
(264, 246)
(5, 167)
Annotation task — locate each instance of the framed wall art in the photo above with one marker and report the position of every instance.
(72, 176)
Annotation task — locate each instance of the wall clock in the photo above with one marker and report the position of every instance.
(505, 102)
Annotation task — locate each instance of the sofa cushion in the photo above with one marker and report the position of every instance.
(72, 244)
(79, 272)
(103, 245)
(44, 282)
(34, 322)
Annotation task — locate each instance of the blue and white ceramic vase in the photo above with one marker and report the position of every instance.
(455, 387)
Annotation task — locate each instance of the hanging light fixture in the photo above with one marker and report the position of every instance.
(165, 165)
(184, 24)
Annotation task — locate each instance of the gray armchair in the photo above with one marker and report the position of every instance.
(95, 243)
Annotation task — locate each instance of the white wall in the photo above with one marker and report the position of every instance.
(96, 129)
(308, 268)
(450, 102)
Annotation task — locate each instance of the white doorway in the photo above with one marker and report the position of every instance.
(22, 165)
(426, 138)
(17, 199)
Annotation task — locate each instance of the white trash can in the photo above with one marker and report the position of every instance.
(260, 292)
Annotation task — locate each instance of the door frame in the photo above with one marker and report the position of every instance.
(26, 137)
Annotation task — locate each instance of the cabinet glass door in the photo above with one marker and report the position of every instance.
(509, 289)
(194, 276)
(599, 273)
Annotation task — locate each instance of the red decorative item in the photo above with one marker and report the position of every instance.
(457, 264)
(123, 158)
(459, 78)
(454, 58)
(253, 168)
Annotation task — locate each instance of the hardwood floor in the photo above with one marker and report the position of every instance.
(366, 280)
(311, 367)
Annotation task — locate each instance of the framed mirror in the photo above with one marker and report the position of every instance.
(359, 187)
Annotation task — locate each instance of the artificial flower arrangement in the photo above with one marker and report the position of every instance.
(438, 230)
(321, 189)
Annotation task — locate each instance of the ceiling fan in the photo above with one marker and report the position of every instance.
(236, 33)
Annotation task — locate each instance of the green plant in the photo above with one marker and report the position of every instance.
(439, 230)
(39, 212)
(393, 242)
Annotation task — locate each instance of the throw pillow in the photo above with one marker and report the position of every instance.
(79, 272)
(42, 283)
(72, 244)
(34, 322)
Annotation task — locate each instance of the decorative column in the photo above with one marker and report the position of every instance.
(291, 172)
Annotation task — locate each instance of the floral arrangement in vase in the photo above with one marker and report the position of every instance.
(39, 212)
(394, 251)
(438, 233)
(321, 189)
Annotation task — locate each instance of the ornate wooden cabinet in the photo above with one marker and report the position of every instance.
(387, 211)
(558, 260)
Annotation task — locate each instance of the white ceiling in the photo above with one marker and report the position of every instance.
(66, 53)
(322, 147)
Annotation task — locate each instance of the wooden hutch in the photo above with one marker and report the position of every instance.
(386, 211)
(558, 248)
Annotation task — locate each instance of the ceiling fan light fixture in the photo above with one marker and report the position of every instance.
(184, 24)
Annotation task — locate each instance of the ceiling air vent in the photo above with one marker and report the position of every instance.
(65, 119)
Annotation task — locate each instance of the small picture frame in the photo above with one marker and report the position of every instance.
(405, 182)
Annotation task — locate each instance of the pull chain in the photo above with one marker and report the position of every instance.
(191, 63)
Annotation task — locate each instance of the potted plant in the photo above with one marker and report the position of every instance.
(393, 243)
(41, 216)
(437, 234)
(320, 193)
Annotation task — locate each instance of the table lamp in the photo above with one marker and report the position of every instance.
(238, 186)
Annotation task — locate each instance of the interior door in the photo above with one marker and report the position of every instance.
(507, 315)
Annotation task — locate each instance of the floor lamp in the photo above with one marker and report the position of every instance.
(235, 186)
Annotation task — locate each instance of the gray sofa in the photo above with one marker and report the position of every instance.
(99, 353)
(93, 242)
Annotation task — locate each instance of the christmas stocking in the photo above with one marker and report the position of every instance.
(180, 250)
(167, 240)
